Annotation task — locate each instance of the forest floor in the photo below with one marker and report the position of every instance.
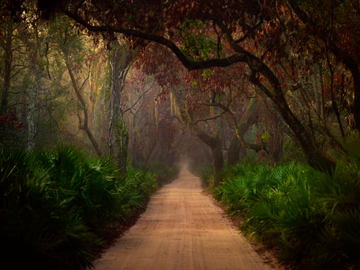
(183, 228)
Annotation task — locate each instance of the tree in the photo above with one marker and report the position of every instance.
(258, 33)
(6, 44)
(118, 137)
(72, 47)
(36, 53)
(335, 24)
(203, 93)
(149, 120)
(251, 18)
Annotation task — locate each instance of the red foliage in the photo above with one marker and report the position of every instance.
(10, 121)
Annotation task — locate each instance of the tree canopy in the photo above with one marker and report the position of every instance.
(281, 48)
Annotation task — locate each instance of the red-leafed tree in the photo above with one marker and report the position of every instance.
(331, 27)
(258, 33)
(239, 24)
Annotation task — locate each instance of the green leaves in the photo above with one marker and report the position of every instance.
(52, 202)
(265, 136)
(312, 218)
(197, 45)
(207, 73)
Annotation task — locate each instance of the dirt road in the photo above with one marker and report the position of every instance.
(181, 230)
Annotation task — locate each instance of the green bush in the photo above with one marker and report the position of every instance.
(135, 192)
(43, 227)
(52, 202)
(312, 218)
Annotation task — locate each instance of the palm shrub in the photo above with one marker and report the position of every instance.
(40, 228)
(90, 185)
(135, 192)
(340, 240)
(52, 202)
(312, 218)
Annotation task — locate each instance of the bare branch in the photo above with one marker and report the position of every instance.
(208, 119)
(129, 109)
(88, 76)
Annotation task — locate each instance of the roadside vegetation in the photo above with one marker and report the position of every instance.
(55, 204)
(309, 218)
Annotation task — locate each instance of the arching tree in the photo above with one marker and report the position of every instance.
(258, 34)
(237, 26)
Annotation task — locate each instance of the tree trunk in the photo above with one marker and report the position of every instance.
(273, 108)
(7, 65)
(31, 114)
(118, 133)
(317, 86)
(234, 151)
(84, 126)
(314, 158)
(246, 121)
(322, 93)
(118, 137)
(218, 162)
(215, 143)
(37, 70)
(278, 141)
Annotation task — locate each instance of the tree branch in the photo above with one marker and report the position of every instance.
(208, 119)
(129, 109)
(189, 64)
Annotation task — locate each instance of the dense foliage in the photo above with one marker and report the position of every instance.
(53, 203)
(311, 218)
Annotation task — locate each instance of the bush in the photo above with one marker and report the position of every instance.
(52, 202)
(42, 226)
(312, 218)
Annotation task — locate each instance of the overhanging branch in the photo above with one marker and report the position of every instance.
(189, 64)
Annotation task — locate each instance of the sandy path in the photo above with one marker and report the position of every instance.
(181, 229)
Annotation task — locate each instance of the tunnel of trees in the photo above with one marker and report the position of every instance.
(205, 82)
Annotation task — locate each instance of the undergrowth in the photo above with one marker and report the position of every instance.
(54, 203)
(311, 218)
